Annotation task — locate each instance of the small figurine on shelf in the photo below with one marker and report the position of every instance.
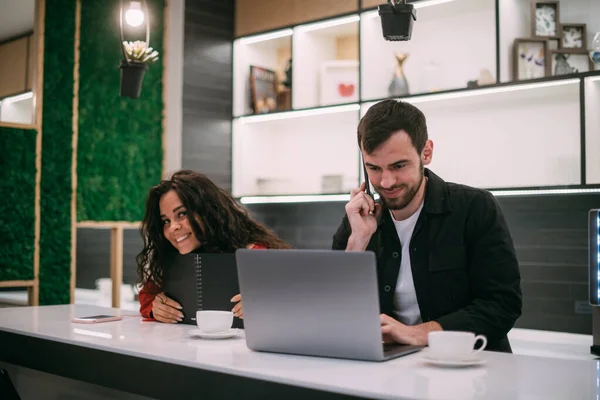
(287, 82)
(399, 85)
(595, 51)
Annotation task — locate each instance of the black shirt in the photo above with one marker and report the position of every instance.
(463, 262)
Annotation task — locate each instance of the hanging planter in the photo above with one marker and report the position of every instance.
(136, 55)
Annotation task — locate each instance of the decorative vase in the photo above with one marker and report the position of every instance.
(399, 85)
(595, 51)
(132, 77)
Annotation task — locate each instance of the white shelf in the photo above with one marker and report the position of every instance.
(322, 73)
(515, 22)
(17, 109)
(307, 154)
(270, 51)
(451, 43)
(519, 136)
(592, 129)
(509, 136)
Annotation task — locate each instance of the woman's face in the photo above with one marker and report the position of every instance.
(176, 226)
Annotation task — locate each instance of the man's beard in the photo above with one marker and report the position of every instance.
(399, 203)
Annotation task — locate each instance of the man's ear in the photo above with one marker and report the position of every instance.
(427, 153)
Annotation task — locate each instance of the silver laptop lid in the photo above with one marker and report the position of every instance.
(311, 302)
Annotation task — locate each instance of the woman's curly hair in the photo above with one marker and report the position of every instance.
(226, 226)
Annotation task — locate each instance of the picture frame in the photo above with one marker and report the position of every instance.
(530, 58)
(567, 62)
(545, 19)
(263, 90)
(338, 82)
(573, 37)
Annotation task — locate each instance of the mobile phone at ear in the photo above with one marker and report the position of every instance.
(96, 319)
(367, 184)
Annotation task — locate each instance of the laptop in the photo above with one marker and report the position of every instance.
(314, 302)
(203, 281)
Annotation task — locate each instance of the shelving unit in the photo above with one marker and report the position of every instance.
(504, 135)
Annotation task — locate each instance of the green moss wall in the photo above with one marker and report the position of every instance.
(17, 203)
(119, 154)
(57, 135)
(119, 151)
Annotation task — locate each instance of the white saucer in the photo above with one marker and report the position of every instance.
(216, 335)
(473, 360)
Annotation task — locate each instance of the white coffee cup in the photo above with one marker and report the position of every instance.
(210, 321)
(453, 345)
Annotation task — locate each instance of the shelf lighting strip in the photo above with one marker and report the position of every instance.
(346, 197)
(328, 24)
(298, 114)
(266, 36)
(484, 91)
(418, 4)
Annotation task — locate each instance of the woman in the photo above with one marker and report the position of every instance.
(189, 213)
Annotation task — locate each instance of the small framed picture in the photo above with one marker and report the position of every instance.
(545, 18)
(565, 62)
(573, 36)
(530, 59)
(263, 85)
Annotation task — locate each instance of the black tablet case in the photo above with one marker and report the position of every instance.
(202, 281)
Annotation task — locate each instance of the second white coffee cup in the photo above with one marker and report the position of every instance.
(453, 345)
(210, 321)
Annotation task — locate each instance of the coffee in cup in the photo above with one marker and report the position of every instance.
(454, 345)
(210, 321)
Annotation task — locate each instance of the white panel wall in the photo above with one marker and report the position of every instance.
(515, 139)
(459, 37)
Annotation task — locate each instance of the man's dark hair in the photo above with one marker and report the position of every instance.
(388, 117)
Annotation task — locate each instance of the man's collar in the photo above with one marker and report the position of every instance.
(436, 198)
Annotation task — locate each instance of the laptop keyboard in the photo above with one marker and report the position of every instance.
(391, 349)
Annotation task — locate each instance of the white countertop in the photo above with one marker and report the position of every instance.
(504, 376)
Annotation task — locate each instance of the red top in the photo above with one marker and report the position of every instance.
(150, 290)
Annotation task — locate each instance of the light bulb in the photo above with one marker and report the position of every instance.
(134, 16)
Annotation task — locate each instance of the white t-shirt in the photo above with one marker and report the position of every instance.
(406, 307)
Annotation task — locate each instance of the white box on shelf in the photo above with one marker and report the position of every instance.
(338, 82)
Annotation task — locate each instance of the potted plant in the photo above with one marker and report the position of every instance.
(137, 56)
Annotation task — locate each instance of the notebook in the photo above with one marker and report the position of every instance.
(203, 281)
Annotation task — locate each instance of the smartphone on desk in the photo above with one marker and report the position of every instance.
(96, 319)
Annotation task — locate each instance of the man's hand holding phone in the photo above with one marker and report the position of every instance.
(362, 212)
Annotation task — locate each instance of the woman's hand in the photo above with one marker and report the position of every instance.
(237, 309)
(166, 310)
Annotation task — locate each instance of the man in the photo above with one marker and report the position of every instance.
(445, 257)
